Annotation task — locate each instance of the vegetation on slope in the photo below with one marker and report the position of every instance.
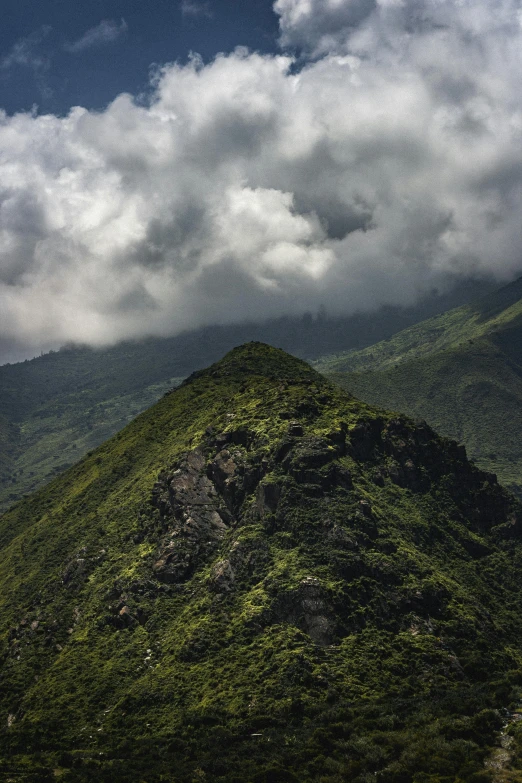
(471, 394)
(461, 371)
(63, 404)
(261, 579)
(490, 317)
(57, 407)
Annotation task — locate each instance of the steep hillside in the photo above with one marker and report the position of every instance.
(61, 405)
(497, 316)
(461, 371)
(262, 579)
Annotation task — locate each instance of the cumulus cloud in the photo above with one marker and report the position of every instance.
(106, 32)
(387, 164)
(320, 26)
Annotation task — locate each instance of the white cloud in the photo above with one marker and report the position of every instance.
(194, 8)
(106, 32)
(319, 26)
(27, 53)
(387, 166)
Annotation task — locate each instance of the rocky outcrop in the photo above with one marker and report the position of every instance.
(231, 478)
(223, 576)
(188, 501)
(307, 608)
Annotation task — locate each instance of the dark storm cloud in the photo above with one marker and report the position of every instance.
(385, 165)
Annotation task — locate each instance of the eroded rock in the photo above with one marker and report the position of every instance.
(189, 501)
(223, 576)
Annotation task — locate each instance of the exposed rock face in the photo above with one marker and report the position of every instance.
(305, 459)
(197, 516)
(223, 576)
(215, 488)
(207, 493)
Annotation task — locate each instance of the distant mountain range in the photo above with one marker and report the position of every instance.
(460, 371)
(261, 579)
(57, 407)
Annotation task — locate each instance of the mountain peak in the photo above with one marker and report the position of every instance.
(256, 358)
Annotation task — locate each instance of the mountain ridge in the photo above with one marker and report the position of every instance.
(488, 315)
(63, 404)
(261, 579)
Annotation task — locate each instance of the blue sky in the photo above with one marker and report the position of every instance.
(56, 53)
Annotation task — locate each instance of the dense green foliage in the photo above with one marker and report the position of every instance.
(59, 406)
(461, 371)
(261, 579)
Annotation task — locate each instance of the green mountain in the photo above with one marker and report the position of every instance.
(56, 408)
(262, 579)
(460, 371)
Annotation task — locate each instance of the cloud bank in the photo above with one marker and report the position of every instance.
(386, 162)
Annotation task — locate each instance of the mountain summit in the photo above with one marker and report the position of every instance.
(262, 579)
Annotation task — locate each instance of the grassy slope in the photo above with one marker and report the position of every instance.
(53, 437)
(57, 407)
(413, 556)
(492, 316)
(61, 405)
(460, 371)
